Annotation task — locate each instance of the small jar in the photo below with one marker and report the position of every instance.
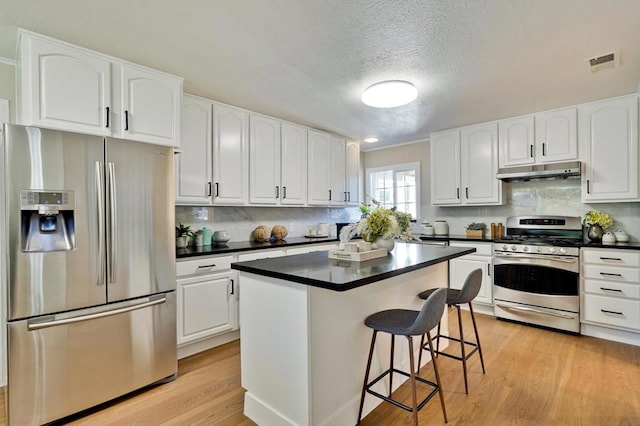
(441, 227)
(199, 239)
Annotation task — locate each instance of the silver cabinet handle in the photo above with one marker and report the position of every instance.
(531, 151)
(107, 110)
(113, 224)
(604, 311)
(617, 290)
(617, 259)
(277, 192)
(99, 171)
(608, 274)
(537, 311)
(208, 189)
(544, 150)
(47, 324)
(213, 265)
(284, 192)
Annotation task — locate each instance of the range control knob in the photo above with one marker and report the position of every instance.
(552, 249)
(539, 249)
(514, 248)
(505, 247)
(525, 249)
(563, 250)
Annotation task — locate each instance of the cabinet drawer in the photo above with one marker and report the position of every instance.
(203, 266)
(481, 249)
(612, 273)
(260, 254)
(612, 257)
(612, 311)
(611, 288)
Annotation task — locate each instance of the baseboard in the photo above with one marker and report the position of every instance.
(193, 348)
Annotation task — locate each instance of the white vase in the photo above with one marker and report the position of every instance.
(182, 242)
(383, 243)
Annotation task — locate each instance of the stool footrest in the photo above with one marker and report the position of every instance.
(459, 358)
(433, 392)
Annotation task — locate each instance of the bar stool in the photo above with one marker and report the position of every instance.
(469, 291)
(407, 323)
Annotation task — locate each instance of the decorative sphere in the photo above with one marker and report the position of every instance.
(279, 232)
(261, 233)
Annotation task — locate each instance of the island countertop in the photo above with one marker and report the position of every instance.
(316, 269)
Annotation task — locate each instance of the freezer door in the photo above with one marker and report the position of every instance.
(70, 362)
(140, 219)
(46, 282)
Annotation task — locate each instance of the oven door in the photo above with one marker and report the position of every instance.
(537, 281)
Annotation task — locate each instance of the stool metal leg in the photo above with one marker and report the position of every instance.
(435, 369)
(438, 339)
(393, 346)
(475, 329)
(366, 374)
(464, 355)
(420, 355)
(414, 398)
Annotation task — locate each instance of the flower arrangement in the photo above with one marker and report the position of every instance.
(383, 223)
(183, 231)
(603, 220)
(479, 226)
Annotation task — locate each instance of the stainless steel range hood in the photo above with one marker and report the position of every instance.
(543, 171)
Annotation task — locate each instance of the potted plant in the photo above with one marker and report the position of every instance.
(476, 230)
(381, 226)
(183, 232)
(597, 223)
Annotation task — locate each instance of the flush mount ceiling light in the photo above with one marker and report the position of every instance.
(370, 140)
(389, 94)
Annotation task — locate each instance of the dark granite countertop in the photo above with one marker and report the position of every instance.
(456, 238)
(316, 269)
(633, 245)
(236, 246)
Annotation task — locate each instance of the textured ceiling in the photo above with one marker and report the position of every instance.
(309, 60)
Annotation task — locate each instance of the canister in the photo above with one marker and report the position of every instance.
(441, 227)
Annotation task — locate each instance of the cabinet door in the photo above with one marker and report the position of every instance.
(318, 184)
(338, 170)
(264, 160)
(63, 88)
(193, 160)
(205, 306)
(609, 144)
(479, 165)
(556, 136)
(353, 173)
(445, 168)
(151, 104)
(230, 155)
(293, 173)
(461, 267)
(516, 142)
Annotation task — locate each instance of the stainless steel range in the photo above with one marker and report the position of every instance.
(536, 272)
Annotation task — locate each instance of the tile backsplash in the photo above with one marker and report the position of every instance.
(543, 197)
(241, 221)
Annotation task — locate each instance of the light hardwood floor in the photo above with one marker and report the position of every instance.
(534, 377)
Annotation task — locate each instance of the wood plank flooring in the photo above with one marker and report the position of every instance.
(534, 377)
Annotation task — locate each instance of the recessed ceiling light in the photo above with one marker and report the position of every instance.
(388, 94)
(370, 140)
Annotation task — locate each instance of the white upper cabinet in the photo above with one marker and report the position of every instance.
(556, 136)
(264, 160)
(65, 87)
(609, 146)
(337, 171)
(445, 168)
(353, 173)
(151, 103)
(294, 165)
(230, 155)
(547, 137)
(62, 87)
(479, 164)
(464, 163)
(193, 160)
(318, 184)
(516, 142)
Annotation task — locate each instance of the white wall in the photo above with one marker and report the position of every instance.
(7, 88)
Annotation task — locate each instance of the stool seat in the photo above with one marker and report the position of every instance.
(453, 296)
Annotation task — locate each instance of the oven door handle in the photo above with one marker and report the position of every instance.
(534, 257)
(537, 311)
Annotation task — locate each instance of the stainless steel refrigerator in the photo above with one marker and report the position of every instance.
(90, 270)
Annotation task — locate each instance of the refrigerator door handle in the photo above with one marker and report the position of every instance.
(46, 324)
(113, 223)
(101, 225)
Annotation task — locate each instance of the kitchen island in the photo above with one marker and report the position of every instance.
(304, 344)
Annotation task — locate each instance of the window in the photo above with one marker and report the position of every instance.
(396, 186)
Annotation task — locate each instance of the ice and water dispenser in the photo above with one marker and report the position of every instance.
(47, 221)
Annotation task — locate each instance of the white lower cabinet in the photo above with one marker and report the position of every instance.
(461, 267)
(611, 288)
(207, 298)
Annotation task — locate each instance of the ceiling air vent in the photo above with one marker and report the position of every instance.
(603, 62)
